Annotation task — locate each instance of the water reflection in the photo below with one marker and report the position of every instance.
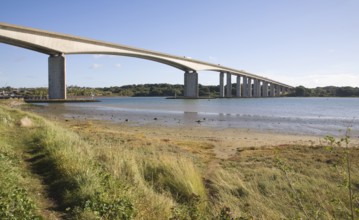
(289, 115)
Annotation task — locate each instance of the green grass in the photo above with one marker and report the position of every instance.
(15, 201)
(74, 182)
(92, 171)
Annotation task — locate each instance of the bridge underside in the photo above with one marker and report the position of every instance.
(58, 45)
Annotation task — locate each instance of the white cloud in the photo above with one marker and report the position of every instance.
(95, 66)
(118, 65)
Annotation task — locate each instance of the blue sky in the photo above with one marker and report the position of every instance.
(297, 42)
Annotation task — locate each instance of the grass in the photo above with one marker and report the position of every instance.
(95, 171)
(15, 198)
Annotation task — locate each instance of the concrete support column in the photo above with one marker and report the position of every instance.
(238, 87)
(191, 84)
(265, 89)
(259, 93)
(57, 77)
(229, 85)
(250, 88)
(255, 88)
(277, 90)
(221, 85)
(245, 87)
(272, 90)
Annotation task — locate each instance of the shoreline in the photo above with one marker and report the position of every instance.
(225, 141)
(278, 124)
(231, 131)
(297, 117)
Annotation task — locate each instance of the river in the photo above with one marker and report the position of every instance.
(313, 116)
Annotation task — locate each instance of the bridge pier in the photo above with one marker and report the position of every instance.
(272, 93)
(221, 84)
(245, 87)
(265, 89)
(277, 90)
(190, 84)
(250, 88)
(238, 87)
(229, 85)
(255, 88)
(57, 77)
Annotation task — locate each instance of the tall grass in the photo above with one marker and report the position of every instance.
(162, 184)
(97, 172)
(15, 199)
(110, 181)
(74, 180)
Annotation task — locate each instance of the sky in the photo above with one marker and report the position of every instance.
(297, 42)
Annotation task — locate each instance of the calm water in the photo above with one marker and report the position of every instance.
(319, 116)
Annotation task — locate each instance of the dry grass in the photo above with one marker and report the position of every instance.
(288, 181)
(162, 175)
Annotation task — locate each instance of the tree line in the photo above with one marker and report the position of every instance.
(167, 90)
(328, 91)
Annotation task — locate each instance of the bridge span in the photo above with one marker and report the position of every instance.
(57, 45)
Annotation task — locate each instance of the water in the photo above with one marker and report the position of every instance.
(318, 116)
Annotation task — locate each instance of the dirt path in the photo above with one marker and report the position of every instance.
(40, 172)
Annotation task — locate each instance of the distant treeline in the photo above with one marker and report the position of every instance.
(141, 90)
(172, 90)
(328, 91)
(127, 90)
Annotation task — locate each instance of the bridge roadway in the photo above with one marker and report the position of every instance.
(58, 45)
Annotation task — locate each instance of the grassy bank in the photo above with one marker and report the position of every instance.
(86, 170)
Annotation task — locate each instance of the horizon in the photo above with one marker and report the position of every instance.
(307, 43)
(101, 87)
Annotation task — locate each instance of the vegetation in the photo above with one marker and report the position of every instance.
(329, 91)
(15, 201)
(128, 90)
(96, 171)
(171, 90)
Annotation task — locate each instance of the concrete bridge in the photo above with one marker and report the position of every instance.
(58, 45)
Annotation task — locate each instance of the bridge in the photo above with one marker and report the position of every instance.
(57, 45)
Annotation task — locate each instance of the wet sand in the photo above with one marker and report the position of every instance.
(139, 117)
(213, 129)
(226, 141)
